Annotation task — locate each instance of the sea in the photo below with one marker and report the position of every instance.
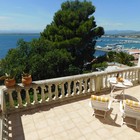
(8, 41)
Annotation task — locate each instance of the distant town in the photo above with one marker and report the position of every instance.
(122, 34)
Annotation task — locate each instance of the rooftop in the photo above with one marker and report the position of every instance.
(72, 120)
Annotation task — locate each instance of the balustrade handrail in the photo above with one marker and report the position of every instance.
(61, 89)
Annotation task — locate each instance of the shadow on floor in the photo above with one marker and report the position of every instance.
(125, 96)
(108, 119)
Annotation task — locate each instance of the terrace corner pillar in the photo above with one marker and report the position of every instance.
(98, 83)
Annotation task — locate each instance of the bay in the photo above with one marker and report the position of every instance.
(125, 42)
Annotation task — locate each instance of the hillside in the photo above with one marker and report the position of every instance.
(122, 32)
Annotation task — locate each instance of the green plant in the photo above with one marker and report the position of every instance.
(9, 79)
(7, 76)
(25, 74)
(10, 74)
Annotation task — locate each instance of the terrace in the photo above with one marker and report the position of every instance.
(59, 109)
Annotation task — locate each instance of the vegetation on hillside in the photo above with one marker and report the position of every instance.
(120, 57)
(63, 47)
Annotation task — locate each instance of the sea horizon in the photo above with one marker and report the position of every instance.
(20, 33)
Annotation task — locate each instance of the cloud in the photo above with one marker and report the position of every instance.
(4, 17)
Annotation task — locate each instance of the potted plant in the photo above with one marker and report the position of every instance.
(9, 80)
(26, 78)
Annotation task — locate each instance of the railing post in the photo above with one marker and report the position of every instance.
(98, 83)
(139, 75)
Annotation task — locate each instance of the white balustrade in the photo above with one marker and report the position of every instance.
(45, 91)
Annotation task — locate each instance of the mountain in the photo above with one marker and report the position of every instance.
(122, 32)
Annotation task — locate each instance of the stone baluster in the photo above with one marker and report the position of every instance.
(133, 75)
(106, 81)
(88, 85)
(28, 102)
(138, 75)
(74, 88)
(62, 91)
(42, 94)
(49, 93)
(56, 91)
(129, 73)
(35, 96)
(77, 87)
(80, 86)
(69, 89)
(125, 75)
(19, 99)
(85, 85)
(11, 101)
(4, 102)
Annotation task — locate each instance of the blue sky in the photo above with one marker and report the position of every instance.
(34, 15)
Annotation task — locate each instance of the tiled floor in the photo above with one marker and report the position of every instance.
(72, 120)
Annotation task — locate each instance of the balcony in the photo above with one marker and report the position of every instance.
(59, 109)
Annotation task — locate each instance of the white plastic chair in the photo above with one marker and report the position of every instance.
(100, 103)
(130, 109)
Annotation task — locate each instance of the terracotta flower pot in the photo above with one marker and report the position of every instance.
(9, 82)
(26, 80)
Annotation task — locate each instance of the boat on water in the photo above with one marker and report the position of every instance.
(111, 47)
(115, 46)
(99, 47)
